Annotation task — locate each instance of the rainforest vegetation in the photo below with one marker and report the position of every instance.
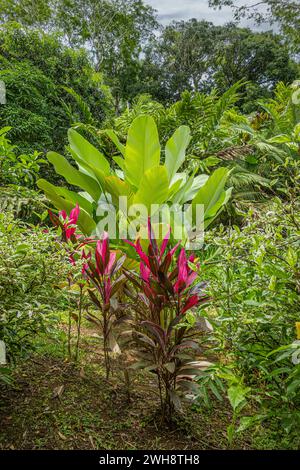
(113, 341)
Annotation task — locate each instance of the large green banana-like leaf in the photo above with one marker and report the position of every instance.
(116, 188)
(217, 208)
(71, 196)
(120, 162)
(154, 187)
(175, 150)
(73, 176)
(174, 188)
(87, 152)
(85, 222)
(198, 182)
(89, 169)
(82, 166)
(113, 136)
(189, 189)
(211, 193)
(177, 198)
(142, 149)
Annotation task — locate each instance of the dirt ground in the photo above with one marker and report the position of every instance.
(56, 404)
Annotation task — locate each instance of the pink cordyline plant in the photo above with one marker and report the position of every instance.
(103, 272)
(68, 227)
(166, 291)
(166, 283)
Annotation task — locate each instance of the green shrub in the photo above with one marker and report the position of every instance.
(254, 281)
(31, 266)
(16, 168)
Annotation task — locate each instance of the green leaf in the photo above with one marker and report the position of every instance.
(279, 139)
(174, 189)
(73, 176)
(292, 257)
(212, 194)
(142, 149)
(198, 182)
(247, 422)
(66, 194)
(236, 395)
(120, 162)
(211, 161)
(251, 159)
(117, 187)
(22, 247)
(170, 366)
(114, 138)
(175, 150)
(293, 387)
(85, 222)
(230, 433)
(215, 391)
(180, 195)
(224, 198)
(89, 169)
(87, 152)
(154, 187)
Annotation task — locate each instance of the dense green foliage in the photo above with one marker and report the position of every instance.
(254, 278)
(197, 55)
(28, 299)
(112, 32)
(187, 113)
(17, 169)
(283, 12)
(35, 67)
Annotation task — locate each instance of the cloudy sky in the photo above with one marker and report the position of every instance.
(169, 10)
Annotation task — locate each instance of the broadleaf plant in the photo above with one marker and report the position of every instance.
(143, 177)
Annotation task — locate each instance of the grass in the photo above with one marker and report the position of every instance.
(56, 404)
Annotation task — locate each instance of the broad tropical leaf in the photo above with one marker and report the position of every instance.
(113, 137)
(142, 149)
(71, 196)
(175, 150)
(211, 193)
(154, 187)
(73, 176)
(87, 152)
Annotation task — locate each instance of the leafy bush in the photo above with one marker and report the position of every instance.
(17, 169)
(23, 203)
(30, 268)
(254, 283)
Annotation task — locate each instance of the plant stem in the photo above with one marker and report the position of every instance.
(79, 323)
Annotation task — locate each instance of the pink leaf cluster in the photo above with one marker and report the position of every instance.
(167, 283)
